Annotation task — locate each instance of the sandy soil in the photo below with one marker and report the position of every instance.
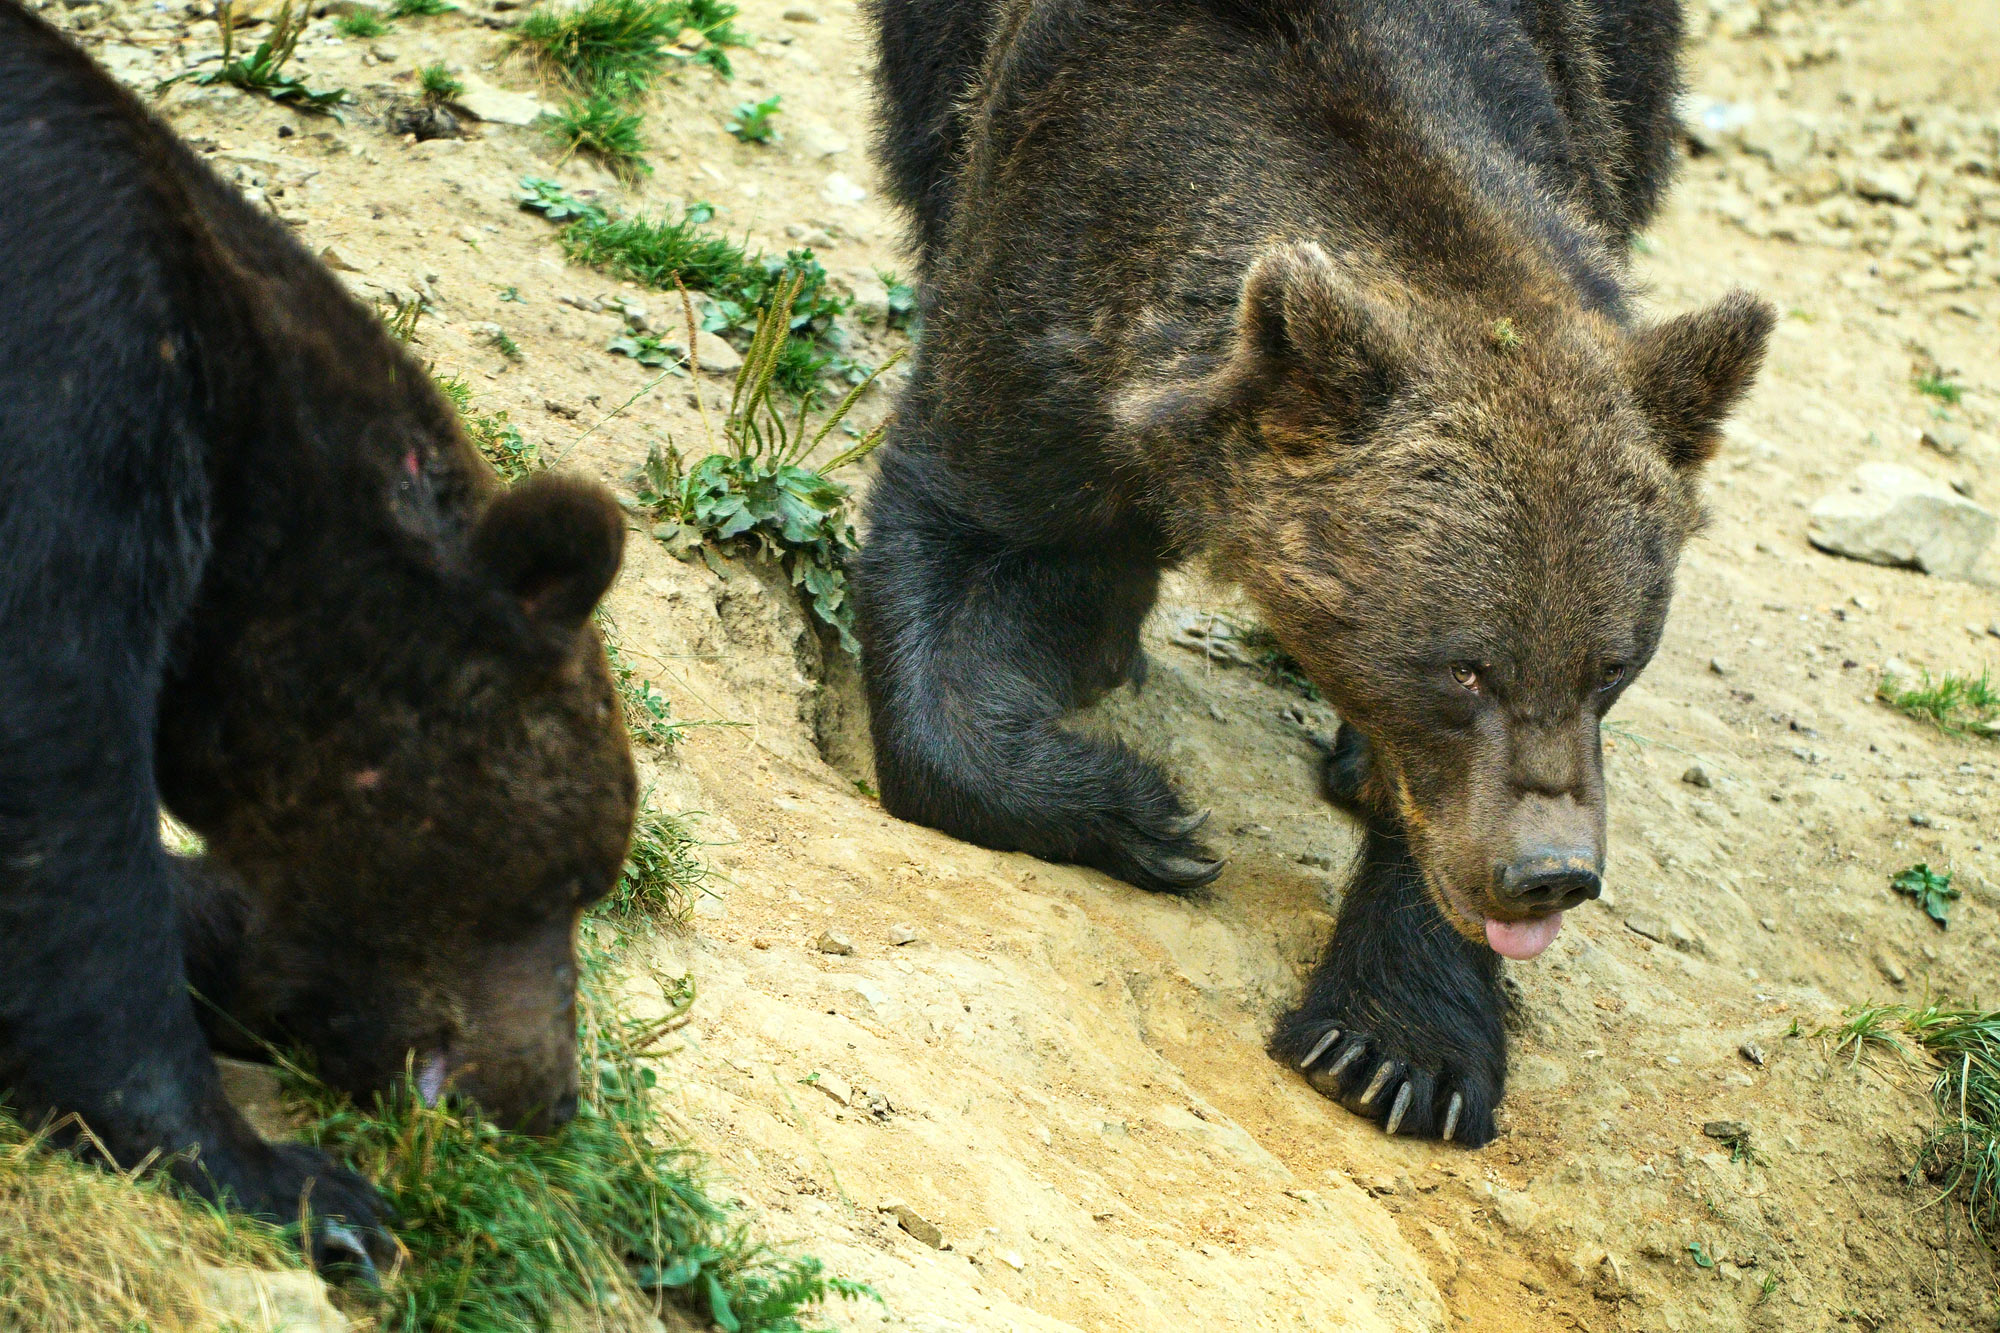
(1064, 1076)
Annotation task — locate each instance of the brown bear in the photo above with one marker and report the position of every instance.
(251, 569)
(1332, 294)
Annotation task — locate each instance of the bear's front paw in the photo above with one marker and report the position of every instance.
(1405, 1078)
(1155, 848)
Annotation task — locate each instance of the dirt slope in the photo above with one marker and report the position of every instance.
(1064, 1076)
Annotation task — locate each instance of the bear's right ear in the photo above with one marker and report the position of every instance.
(1308, 341)
(553, 544)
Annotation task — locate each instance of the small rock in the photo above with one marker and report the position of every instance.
(1893, 515)
(713, 353)
(262, 1302)
(796, 15)
(900, 935)
(871, 296)
(482, 101)
(1013, 1260)
(1726, 1131)
(1891, 970)
(1516, 1211)
(834, 1086)
(1697, 776)
(835, 943)
(337, 261)
(838, 189)
(1947, 439)
(424, 121)
(1769, 923)
(1918, 819)
(1752, 1052)
(1683, 937)
(1719, 666)
(1885, 184)
(918, 1226)
(1647, 927)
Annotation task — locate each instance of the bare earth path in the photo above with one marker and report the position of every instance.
(1064, 1076)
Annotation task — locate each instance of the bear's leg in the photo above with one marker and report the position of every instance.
(974, 650)
(95, 1018)
(1401, 1021)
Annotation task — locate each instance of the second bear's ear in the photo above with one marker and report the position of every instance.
(554, 544)
(1689, 371)
(1310, 347)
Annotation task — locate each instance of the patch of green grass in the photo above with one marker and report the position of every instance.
(504, 344)
(662, 874)
(752, 121)
(1964, 1156)
(492, 433)
(669, 254)
(1866, 1027)
(759, 494)
(621, 48)
(420, 9)
(603, 127)
(1934, 383)
(263, 70)
(647, 718)
(1963, 705)
(609, 1215)
(1931, 890)
(361, 24)
(438, 84)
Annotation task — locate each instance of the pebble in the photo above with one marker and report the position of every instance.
(337, 261)
(835, 943)
(1726, 1131)
(901, 935)
(1647, 927)
(918, 1226)
(1752, 1052)
(1947, 439)
(1886, 185)
(797, 15)
(836, 1087)
(1918, 819)
(1891, 970)
(1719, 666)
(1697, 776)
(1683, 937)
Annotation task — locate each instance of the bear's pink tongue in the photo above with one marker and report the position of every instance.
(1521, 940)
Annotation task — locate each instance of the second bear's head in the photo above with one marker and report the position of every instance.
(1461, 511)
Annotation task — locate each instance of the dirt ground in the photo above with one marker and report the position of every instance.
(1065, 1077)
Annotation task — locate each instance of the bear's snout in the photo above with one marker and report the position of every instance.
(1548, 880)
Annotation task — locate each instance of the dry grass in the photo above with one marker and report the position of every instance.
(89, 1251)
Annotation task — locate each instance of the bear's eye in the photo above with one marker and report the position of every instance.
(1613, 674)
(1466, 674)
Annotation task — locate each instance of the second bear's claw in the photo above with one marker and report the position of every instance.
(1402, 1104)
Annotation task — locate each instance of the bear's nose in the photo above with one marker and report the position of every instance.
(1550, 881)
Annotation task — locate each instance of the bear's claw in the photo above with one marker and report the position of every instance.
(1451, 1116)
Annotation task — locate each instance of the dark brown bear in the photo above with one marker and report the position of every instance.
(1333, 295)
(251, 569)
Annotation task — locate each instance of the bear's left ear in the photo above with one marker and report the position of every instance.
(554, 544)
(1689, 371)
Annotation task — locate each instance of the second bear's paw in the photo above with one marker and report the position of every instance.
(1160, 851)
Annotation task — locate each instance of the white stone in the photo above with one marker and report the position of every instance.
(485, 102)
(1886, 184)
(838, 189)
(260, 1302)
(1894, 515)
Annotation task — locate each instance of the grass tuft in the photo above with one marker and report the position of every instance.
(84, 1249)
(418, 9)
(438, 84)
(492, 433)
(602, 126)
(1963, 705)
(621, 48)
(1934, 383)
(662, 875)
(361, 24)
(752, 121)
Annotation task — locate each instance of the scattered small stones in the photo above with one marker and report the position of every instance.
(1894, 515)
(1752, 1052)
(1697, 776)
(834, 942)
(900, 935)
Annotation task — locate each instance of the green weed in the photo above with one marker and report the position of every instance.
(1964, 1156)
(420, 9)
(669, 254)
(1960, 704)
(438, 84)
(760, 494)
(649, 350)
(1868, 1026)
(1931, 890)
(646, 715)
(1934, 383)
(263, 70)
(361, 24)
(610, 1214)
(902, 299)
(492, 433)
(620, 48)
(600, 125)
(751, 122)
(504, 344)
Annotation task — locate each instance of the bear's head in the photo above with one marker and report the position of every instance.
(1463, 517)
(410, 793)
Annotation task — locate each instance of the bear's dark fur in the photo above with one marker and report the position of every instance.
(251, 569)
(1332, 293)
